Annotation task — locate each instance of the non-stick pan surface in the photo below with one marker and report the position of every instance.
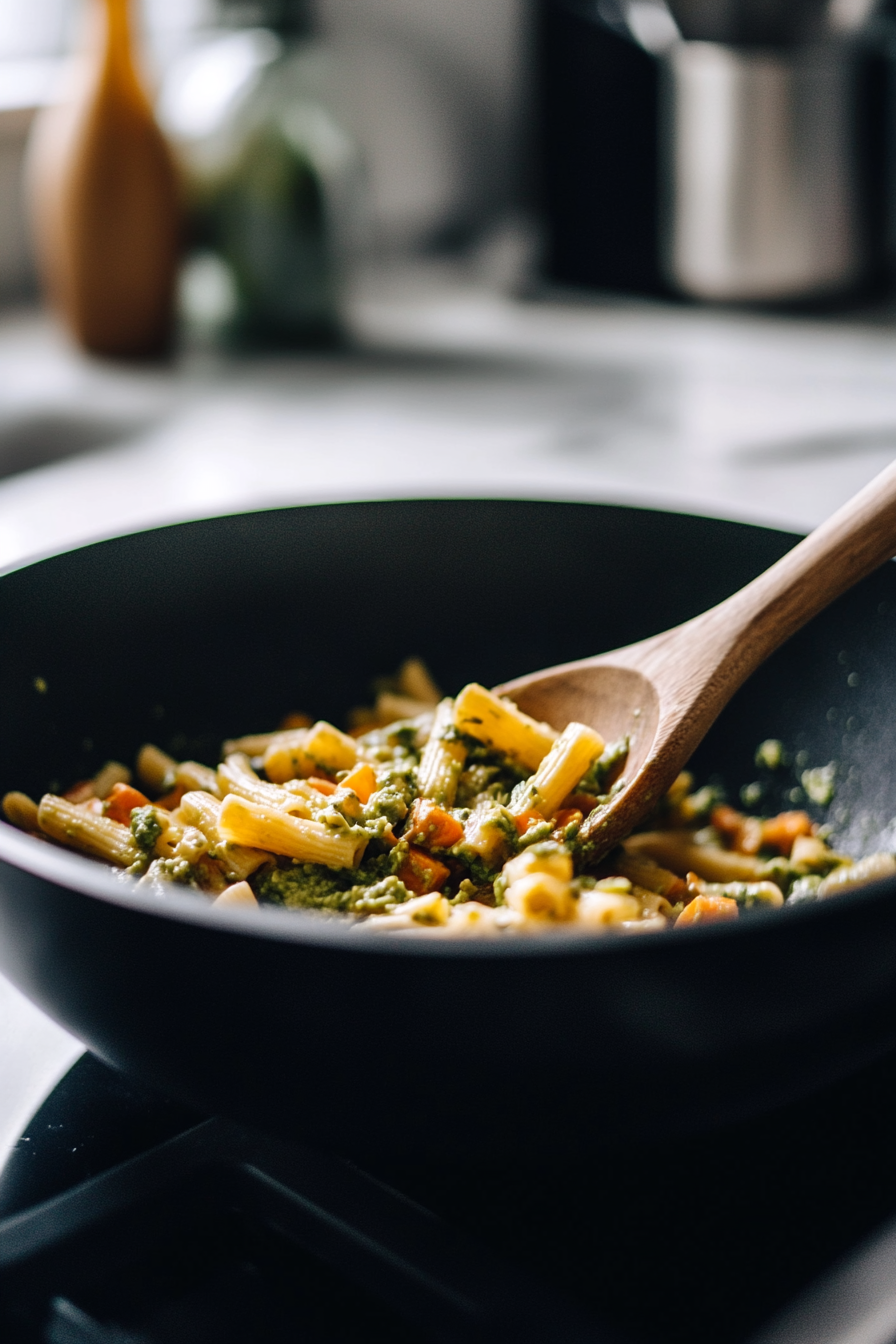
(304, 1026)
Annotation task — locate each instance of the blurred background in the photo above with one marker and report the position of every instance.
(616, 249)
(439, 100)
(714, 152)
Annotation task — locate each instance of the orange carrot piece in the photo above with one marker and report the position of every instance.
(421, 873)
(707, 910)
(740, 832)
(361, 780)
(566, 815)
(526, 819)
(326, 786)
(80, 792)
(727, 821)
(433, 826)
(780, 832)
(121, 802)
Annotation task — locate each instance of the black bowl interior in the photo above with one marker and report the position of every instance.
(188, 634)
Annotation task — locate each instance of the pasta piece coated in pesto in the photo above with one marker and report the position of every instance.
(443, 758)
(500, 724)
(246, 823)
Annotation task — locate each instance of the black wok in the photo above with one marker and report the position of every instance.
(302, 1026)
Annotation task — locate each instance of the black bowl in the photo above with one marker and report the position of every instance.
(188, 634)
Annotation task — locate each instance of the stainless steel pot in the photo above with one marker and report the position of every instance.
(763, 196)
(761, 142)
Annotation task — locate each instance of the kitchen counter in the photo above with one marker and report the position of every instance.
(448, 389)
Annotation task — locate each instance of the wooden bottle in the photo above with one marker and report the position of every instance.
(106, 202)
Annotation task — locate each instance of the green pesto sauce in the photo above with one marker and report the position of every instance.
(371, 887)
(605, 769)
(488, 776)
(145, 828)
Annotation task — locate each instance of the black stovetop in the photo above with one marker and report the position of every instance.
(127, 1219)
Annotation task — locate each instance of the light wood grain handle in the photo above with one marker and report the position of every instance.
(851, 544)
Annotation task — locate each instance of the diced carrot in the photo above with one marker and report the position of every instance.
(121, 802)
(727, 820)
(171, 801)
(361, 780)
(295, 721)
(565, 816)
(80, 792)
(526, 819)
(707, 910)
(583, 802)
(780, 832)
(433, 826)
(322, 785)
(421, 873)
(741, 832)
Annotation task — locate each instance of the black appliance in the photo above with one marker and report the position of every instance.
(598, 154)
(611, 213)
(127, 1219)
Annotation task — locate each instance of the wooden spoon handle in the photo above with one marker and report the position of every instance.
(851, 544)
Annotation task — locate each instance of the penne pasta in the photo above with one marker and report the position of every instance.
(678, 851)
(499, 724)
(21, 811)
(415, 681)
(81, 829)
(237, 776)
(443, 759)
(575, 750)
(191, 775)
(318, 750)
(253, 744)
(112, 773)
(237, 861)
(156, 769)
(247, 823)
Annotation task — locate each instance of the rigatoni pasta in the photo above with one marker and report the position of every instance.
(74, 825)
(463, 818)
(443, 757)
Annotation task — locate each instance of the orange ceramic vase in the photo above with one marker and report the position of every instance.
(106, 202)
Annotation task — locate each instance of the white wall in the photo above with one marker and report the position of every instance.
(470, 55)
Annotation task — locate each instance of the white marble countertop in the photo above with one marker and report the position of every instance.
(451, 390)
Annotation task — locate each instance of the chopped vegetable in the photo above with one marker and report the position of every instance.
(432, 826)
(707, 910)
(122, 801)
(421, 873)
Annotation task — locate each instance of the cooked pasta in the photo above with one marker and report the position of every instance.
(462, 819)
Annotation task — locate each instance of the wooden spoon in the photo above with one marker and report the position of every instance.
(665, 692)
